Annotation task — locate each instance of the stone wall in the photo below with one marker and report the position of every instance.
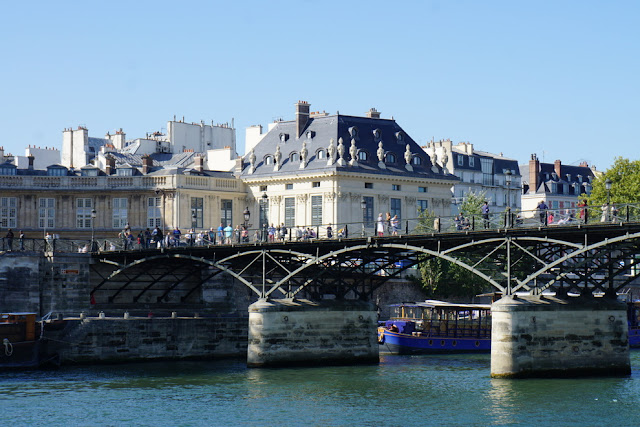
(109, 340)
(301, 332)
(533, 336)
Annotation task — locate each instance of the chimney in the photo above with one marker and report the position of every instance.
(373, 113)
(239, 165)
(199, 163)
(147, 164)
(111, 165)
(534, 169)
(31, 159)
(557, 165)
(302, 117)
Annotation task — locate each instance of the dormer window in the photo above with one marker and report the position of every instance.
(122, 172)
(284, 137)
(294, 157)
(460, 160)
(8, 169)
(376, 134)
(471, 161)
(310, 134)
(353, 131)
(56, 171)
(268, 160)
(363, 156)
(89, 172)
(400, 137)
(320, 154)
(390, 158)
(417, 160)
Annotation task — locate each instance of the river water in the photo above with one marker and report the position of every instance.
(400, 391)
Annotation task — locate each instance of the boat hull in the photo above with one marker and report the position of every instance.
(398, 343)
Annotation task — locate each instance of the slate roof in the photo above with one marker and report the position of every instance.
(544, 185)
(323, 129)
(159, 159)
(500, 163)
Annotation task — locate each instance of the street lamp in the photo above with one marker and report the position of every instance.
(247, 216)
(607, 185)
(363, 205)
(265, 200)
(507, 178)
(94, 214)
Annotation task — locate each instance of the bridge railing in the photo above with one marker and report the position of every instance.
(423, 224)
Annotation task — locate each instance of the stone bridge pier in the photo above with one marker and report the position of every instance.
(286, 332)
(535, 336)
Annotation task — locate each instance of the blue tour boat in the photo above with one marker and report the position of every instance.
(436, 327)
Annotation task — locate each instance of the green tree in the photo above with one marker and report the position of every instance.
(472, 204)
(440, 278)
(625, 186)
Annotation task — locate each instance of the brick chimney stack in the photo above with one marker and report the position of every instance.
(557, 166)
(199, 163)
(147, 164)
(111, 165)
(373, 113)
(534, 173)
(302, 116)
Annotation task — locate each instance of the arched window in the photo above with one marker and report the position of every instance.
(417, 160)
(320, 154)
(268, 160)
(390, 158)
(294, 157)
(363, 156)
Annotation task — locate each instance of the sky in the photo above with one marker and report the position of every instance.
(558, 79)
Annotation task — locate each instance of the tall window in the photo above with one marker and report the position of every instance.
(47, 213)
(316, 210)
(487, 171)
(8, 212)
(422, 206)
(368, 211)
(196, 208)
(396, 208)
(226, 212)
(264, 211)
(290, 212)
(154, 212)
(83, 212)
(119, 207)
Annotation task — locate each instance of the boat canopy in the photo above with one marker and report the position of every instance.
(432, 303)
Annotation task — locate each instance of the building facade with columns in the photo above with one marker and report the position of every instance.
(160, 192)
(339, 170)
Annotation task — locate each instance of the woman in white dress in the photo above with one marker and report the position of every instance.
(380, 225)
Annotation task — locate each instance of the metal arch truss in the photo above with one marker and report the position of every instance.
(353, 269)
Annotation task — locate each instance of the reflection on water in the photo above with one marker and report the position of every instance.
(401, 390)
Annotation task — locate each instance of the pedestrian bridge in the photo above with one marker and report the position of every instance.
(583, 259)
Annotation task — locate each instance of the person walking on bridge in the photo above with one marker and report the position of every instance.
(485, 214)
(542, 212)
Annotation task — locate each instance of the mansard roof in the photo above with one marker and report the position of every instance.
(318, 132)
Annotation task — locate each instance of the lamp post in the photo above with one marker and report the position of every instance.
(607, 185)
(363, 205)
(162, 219)
(507, 178)
(265, 213)
(94, 214)
(247, 216)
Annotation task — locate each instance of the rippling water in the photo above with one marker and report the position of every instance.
(400, 391)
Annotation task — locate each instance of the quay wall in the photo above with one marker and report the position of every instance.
(302, 332)
(111, 340)
(539, 337)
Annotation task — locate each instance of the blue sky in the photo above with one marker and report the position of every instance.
(559, 79)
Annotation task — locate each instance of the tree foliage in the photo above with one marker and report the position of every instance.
(440, 278)
(472, 203)
(625, 183)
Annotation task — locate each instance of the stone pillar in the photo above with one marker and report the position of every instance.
(552, 337)
(302, 332)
